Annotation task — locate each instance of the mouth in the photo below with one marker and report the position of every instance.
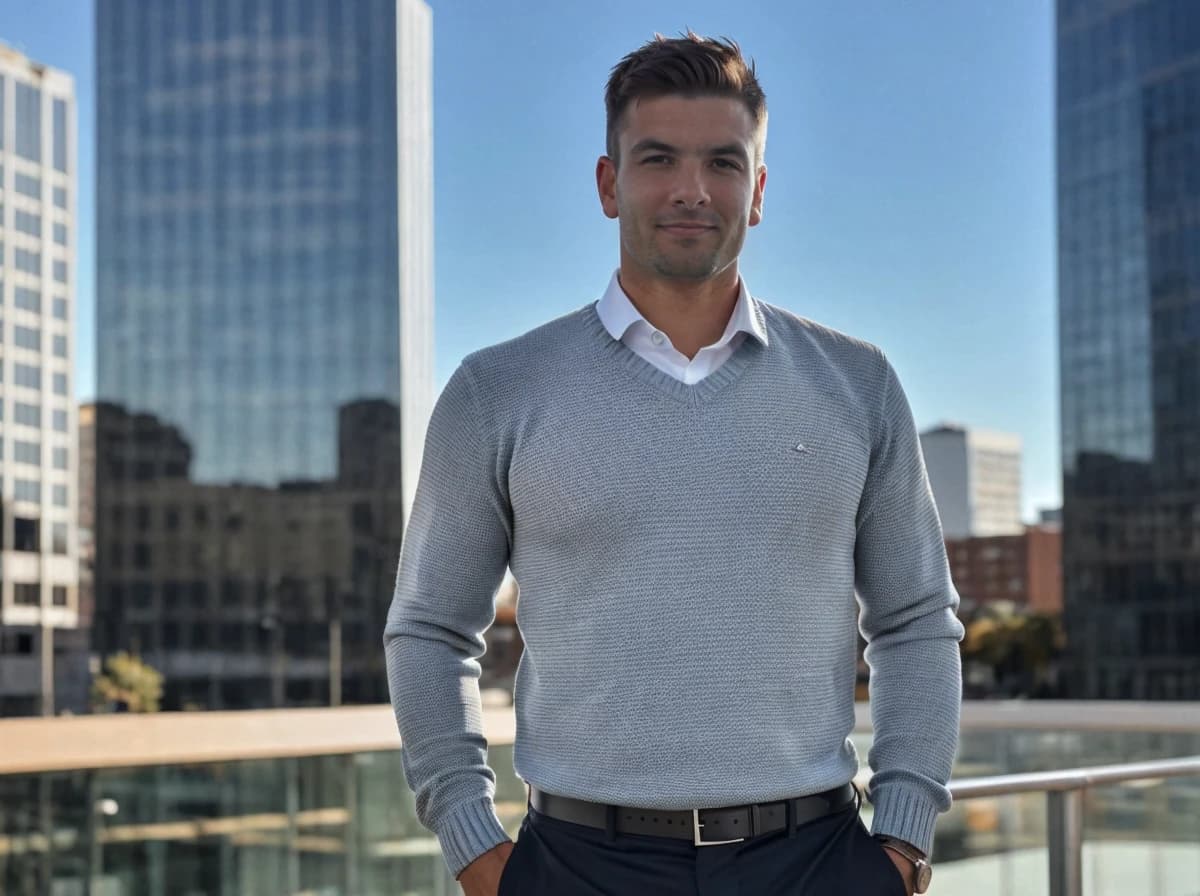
(686, 229)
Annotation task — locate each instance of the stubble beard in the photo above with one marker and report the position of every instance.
(689, 264)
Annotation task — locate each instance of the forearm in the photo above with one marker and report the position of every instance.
(435, 695)
(916, 690)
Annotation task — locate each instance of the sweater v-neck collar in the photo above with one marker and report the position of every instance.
(638, 367)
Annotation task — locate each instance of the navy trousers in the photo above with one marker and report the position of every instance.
(832, 856)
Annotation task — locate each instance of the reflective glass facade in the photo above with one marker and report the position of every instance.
(1129, 329)
(264, 316)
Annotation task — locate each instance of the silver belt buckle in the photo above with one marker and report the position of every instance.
(696, 826)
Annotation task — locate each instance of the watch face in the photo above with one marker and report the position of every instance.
(924, 876)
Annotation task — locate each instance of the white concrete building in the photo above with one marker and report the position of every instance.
(38, 456)
(976, 480)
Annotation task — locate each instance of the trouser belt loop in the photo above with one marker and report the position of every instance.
(789, 813)
(755, 819)
(610, 823)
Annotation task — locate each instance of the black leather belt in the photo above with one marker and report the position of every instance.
(704, 827)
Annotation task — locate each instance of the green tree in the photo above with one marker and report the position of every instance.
(1019, 646)
(127, 685)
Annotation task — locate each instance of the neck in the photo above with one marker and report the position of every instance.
(693, 314)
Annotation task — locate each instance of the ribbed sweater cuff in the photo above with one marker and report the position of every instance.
(906, 815)
(468, 832)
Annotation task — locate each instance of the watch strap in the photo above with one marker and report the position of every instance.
(905, 849)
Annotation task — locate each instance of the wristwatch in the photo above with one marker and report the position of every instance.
(924, 871)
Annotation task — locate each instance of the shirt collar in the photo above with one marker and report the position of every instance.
(618, 313)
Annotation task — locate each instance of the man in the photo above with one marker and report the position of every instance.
(691, 486)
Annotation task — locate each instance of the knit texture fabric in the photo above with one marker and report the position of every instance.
(693, 561)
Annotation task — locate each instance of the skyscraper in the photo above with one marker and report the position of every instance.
(1129, 330)
(264, 316)
(976, 480)
(39, 594)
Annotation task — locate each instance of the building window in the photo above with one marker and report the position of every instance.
(26, 535)
(60, 309)
(60, 197)
(27, 299)
(60, 458)
(60, 271)
(60, 346)
(59, 421)
(27, 594)
(58, 595)
(60, 495)
(27, 452)
(27, 414)
(141, 595)
(58, 536)
(28, 262)
(60, 384)
(28, 186)
(60, 233)
(60, 135)
(27, 337)
(28, 222)
(27, 375)
(27, 141)
(27, 490)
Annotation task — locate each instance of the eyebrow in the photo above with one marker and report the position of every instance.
(652, 145)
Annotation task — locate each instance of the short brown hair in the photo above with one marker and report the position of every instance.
(690, 66)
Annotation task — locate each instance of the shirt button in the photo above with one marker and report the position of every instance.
(657, 337)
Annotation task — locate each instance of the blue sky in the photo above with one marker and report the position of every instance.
(909, 198)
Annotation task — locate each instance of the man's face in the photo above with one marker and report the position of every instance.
(687, 185)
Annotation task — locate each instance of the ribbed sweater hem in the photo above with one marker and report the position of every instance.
(467, 832)
(906, 815)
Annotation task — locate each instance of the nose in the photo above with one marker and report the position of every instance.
(689, 189)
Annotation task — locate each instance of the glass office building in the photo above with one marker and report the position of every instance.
(264, 318)
(1129, 329)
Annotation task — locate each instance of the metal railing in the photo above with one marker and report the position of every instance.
(1064, 805)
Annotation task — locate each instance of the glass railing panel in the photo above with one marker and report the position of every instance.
(336, 825)
(1142, 837)
(1015, 751)
(992, 846)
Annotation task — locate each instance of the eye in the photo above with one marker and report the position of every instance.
(655, 160)
(727, 164)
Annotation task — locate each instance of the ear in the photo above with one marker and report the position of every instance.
(606, 185)
(756, 204)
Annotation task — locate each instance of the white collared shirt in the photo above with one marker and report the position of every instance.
(626, 324)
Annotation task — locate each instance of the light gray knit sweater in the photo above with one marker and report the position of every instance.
(688, 559)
